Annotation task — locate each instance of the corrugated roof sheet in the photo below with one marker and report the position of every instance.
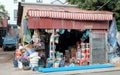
(70, 13)
(38, 23)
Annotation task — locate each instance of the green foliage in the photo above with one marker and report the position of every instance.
(3, 13)
(109, 5)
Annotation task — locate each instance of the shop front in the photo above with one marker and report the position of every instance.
(66, 35)
(3, 29)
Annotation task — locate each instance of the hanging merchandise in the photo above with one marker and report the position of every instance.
(85, 35)
(48, 30)
(52, 38)
(61, 31)
(27, 37)
(25, 24)
(57, 30)
(36, 38)
(56, 40)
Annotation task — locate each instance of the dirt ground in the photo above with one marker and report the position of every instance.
(6, 56)
(7, 67)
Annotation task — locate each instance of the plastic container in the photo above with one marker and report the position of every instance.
(78, 55)
(20, 66)
(15, 63)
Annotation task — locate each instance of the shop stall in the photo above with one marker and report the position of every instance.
(65, 35)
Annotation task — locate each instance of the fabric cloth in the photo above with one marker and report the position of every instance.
(112, 34)
(25, 24)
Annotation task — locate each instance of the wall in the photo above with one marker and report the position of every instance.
(10, 6)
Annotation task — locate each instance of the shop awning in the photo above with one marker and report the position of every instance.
(67, 19)
(71, 15)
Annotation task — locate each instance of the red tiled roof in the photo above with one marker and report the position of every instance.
(75, 14)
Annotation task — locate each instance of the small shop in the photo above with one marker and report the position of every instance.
(64, 35)
(3, 29)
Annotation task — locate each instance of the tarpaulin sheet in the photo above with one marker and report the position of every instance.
(75, 68)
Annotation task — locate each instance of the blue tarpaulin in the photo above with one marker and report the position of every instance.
(112, 34)
(45, 70)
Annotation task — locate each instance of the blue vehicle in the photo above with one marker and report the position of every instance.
(10, 42)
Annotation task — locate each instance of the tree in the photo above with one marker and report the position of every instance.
(109, 5)
(3, 14)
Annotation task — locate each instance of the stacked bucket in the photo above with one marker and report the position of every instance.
(87, 57)
(84, 54)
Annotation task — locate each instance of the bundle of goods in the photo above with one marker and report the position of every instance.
(24, 63)
(33, 56)
(49, 63)
(34, 59)
(20, 60)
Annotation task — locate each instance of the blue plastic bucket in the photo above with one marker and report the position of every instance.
(15, 63)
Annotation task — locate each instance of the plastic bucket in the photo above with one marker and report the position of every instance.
(15, 63)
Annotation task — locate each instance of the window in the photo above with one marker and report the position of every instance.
(15, 1)
(15, 15)
(39, 1)
(22, 0)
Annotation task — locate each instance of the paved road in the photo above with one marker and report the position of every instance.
(6, 56)
(103, 73)
(7, 68)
